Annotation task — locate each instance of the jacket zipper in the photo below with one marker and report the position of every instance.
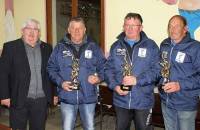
(170, 56)
(77, 97)
(130, 95)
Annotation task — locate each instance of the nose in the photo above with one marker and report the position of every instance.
(76, 30)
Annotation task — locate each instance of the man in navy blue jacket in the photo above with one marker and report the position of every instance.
(76, 66)
(180, 95)
(131, 55)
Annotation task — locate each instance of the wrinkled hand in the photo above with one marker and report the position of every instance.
(171, 87)
(121, 92)
(5, 102)
(67, 86)
(93, 79)
(129, 80)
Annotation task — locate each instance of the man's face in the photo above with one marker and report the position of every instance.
(31, 33)
(132, 28)
(176, 29)
(77, 31)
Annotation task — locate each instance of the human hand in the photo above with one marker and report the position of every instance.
(129, 80)
(121, 92)
(93, 79)
(5, 102)
(67, 86)
(171, 87)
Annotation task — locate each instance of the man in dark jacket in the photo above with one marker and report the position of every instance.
(76, 66)
(180, 96)
(25, 87)
(131, 55)
(180, 86)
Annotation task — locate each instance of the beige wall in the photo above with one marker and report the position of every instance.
(2, 14)
(24, 9)
(154, 12)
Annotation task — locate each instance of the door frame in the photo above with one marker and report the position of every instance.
(74, 13)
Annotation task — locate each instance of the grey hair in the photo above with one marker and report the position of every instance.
(76, 19)
(29, 21)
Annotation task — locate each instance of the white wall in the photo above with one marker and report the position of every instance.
(2, 14)
(24, 9)
(155, 15)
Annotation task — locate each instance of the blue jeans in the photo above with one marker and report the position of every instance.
(69, 114)
(178, 120)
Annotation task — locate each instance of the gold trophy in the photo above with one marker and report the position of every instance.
(74, 74)
(165, 71)
(127, 71)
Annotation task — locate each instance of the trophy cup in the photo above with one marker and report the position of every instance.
(74, 74)
(165, 71)
(127, 71)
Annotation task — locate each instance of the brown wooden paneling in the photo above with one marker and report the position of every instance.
(74, 8)
(102, 30)
(74, 13)
(49, 21)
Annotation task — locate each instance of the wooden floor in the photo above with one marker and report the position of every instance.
(4, 127)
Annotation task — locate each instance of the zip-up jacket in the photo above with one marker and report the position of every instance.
(184, 59)
(145, 54)
(91, 60)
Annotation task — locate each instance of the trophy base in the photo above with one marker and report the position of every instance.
(126, 88)
(160, 87)
(75, 87)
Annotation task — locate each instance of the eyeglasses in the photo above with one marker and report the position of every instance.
(32, 29)
(132, 25)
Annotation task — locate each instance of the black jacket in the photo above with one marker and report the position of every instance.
(15, 72)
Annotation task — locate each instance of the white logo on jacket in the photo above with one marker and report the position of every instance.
(142, 52)
(121, 51)
(66, 53)
(88, 54)
(180, 57)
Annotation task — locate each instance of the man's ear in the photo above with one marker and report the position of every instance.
(85, 30)
(141, 27)
(67, 30)
(186, 28)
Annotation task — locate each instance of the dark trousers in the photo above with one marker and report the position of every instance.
(141, 119)
(34, 112)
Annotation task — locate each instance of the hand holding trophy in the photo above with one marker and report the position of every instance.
(165, 71)
(94, 79)
(127, 71)
(74, 74)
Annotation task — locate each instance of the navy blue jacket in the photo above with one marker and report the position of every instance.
(60, 67)
(145, 55)
(184, 58)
